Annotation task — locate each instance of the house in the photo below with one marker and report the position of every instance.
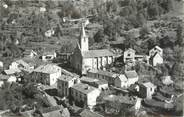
(166, 80)
(1, 64)
(147, 89)
(84, 59)
(47, 74)
(129, 56)
(156, 49)
(21, 64)
(104, 75)
(64, 83)
(121, 81)
(88, 113)
(132, 77)
(54, 111)
(29, 53)
(84, 95)
(48, 55)
(11, 71)
(156, 59)
(100, 84)
(127, 79)
(116, 103)
(6, 78)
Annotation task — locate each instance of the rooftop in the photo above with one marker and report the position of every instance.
(88, 79)
(131, 74)
(48, 68)
(84, 88)
(149, 84)
(48, 53)
(93, 80)
(12, 71)
(105, 73)
(66, 78)
(50, 109)
(97, 53)
(122, 77)
(3, 77)
(88, 113)
(121, 99)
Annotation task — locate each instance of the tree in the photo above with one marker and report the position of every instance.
(99, 36)
(180, 35)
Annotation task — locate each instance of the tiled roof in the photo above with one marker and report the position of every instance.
(88, 113)
(48, 68)
(84, 88)
(131, 74)
(97, 53)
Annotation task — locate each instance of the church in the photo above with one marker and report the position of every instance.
(84, 59)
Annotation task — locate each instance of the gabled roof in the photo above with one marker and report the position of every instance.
(156, 54)
(97, 53)
(88, 113)
(131, 74)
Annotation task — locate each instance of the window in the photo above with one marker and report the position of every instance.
(128, 55)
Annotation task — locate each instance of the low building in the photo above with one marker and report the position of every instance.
(54, 111)
(30, 53)
(129, 56)
(166, 80)
(85, 95)
(47, 74)
(48, 55)
(132, 77)
(121, 81)
(146, 90)
(64, 83)
(126, 80)
(100, 84)
(22, 65)
(104, 75)
(154, 50)
(11, 71)
(115, 104)
(156, 59)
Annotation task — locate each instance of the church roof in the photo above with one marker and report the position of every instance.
(97, 53)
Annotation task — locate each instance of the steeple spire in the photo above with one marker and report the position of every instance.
(83, 39)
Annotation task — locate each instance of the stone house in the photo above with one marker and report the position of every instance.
(47, 74)
(64, 83)
(85, 95)
(146, 90)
